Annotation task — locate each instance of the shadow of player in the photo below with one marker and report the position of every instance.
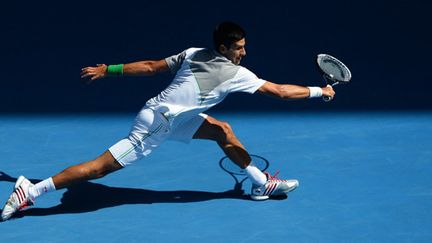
(89, 196)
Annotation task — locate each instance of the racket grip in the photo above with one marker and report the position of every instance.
(328, 98)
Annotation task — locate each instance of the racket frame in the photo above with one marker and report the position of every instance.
(329, 78)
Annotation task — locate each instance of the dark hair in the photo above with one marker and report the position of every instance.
(226, 33)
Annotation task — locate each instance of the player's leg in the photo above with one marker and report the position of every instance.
(25, 193)
(94, 169)
(149, 130)
(263, 185)
(222, 133)
(207, 127)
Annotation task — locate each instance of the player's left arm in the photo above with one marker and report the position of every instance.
(290, 91)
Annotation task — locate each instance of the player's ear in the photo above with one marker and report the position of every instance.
(222, 49)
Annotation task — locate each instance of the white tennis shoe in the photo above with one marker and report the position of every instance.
(273, 187)
(19, 199)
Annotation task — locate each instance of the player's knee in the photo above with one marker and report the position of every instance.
(227, 132)
(226, 128)
(100, 172)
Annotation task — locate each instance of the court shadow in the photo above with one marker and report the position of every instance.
(89, 196)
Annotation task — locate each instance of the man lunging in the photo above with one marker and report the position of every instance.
(203, 78)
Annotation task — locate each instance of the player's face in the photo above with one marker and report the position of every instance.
(235, 52)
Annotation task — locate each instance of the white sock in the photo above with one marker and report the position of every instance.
(41, 188)
(255, 175)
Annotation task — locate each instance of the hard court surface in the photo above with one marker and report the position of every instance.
(364, 177)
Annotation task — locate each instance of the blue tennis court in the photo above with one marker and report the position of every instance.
(364, 177)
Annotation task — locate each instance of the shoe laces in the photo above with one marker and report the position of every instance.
(273, 177)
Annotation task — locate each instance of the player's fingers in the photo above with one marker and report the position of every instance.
(87, 74)
(330, 89)
(92, 71)
(83, 72)
(86, 69)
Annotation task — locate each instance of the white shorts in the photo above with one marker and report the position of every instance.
(150, 129)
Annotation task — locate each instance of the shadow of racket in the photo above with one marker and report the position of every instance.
(238, 174)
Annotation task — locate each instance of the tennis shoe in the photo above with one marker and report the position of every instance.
(19, 199)
(273, 187)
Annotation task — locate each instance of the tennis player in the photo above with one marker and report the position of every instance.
(202, 79)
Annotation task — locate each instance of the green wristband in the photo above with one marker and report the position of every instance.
(115, 70)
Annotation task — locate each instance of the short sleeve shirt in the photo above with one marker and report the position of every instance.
(203, 78)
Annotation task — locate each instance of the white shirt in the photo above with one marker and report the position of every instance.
(203, 79)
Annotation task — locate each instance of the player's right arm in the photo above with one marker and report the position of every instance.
(289, 91)
(141, 68)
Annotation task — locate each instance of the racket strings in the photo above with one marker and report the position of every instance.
(333, 68)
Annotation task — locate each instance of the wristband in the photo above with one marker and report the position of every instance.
(115, 70)
(315, 92)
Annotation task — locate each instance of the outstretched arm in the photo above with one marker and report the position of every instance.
(289, 91)
(142, 68)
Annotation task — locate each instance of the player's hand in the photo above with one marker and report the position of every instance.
(100, 71)
(328, 92)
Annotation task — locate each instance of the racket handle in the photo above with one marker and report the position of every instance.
(327, 98)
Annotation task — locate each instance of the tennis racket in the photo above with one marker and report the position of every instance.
(333, 70)
(238, 173)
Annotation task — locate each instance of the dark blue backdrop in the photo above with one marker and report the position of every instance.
(386, 44)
